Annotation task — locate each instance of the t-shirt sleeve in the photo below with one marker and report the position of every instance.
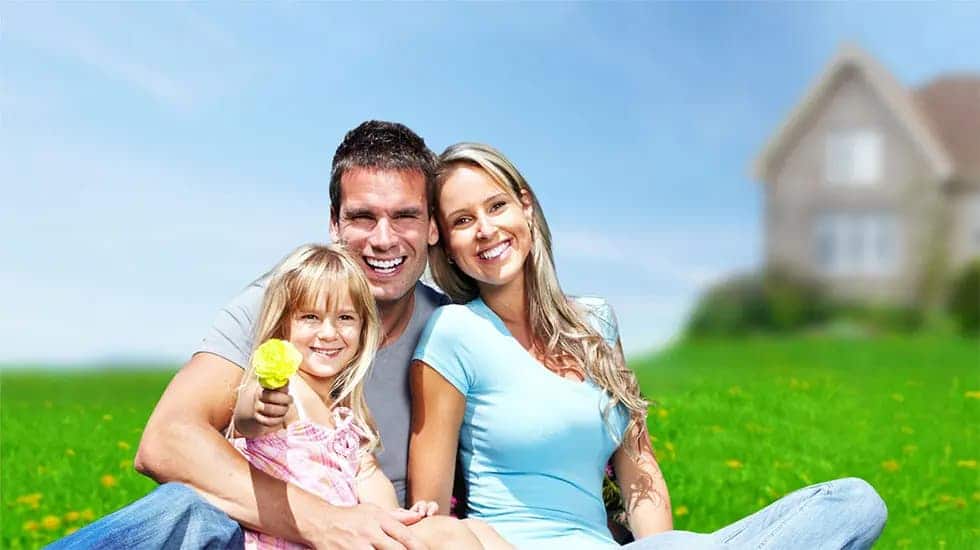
(232, 332)
(443, 349)
(601, 316)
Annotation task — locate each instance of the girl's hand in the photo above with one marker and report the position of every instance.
(271, 406)
(425, 508)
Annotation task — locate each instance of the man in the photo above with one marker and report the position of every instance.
(380, 193)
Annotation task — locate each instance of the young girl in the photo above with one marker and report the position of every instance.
(317, 432)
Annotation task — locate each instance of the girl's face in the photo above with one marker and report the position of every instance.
(486, 229)
(328, 339)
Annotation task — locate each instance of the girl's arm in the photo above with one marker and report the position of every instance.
(259, 411)
(437, 413)
(373, 486)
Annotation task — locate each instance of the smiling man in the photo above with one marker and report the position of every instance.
(380, 189)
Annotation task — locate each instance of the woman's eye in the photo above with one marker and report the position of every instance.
(309, 317)
(461, 220)
(347, 317)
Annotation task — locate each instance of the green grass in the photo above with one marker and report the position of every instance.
(743, 423)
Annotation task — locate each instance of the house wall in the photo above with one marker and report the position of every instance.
(800, 192)
(965, 227)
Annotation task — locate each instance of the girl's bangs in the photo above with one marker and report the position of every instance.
(318, 287)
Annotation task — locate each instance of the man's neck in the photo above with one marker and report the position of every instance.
(395, 317)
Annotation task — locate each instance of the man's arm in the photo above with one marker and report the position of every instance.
(183, 442)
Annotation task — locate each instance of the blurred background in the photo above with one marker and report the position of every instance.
(781, 202)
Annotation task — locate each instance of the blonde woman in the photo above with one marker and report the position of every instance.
(532, 389)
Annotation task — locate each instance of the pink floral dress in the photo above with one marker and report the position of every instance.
(321, 460)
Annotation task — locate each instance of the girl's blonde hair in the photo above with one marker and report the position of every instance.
(555, 323)
(310, 275)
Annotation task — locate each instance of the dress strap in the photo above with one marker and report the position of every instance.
(300, 411)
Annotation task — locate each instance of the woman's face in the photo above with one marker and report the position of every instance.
(486, 230)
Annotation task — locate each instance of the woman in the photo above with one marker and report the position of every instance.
(534, 389)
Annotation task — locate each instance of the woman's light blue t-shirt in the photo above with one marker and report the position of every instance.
(533, 445)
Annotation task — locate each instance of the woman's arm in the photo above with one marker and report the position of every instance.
(643, 487)
(437, 413)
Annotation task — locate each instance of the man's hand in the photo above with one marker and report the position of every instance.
(368, 526)
(271, 406)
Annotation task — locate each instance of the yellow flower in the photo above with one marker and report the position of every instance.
(69, 452)
(125, 464)
(975, 394)
(972, 464)
(275, 361)
(910, 449)
(976, 495)
(106, 417)
(733, 463)
(70, 530)
(662, 413)
(123, 445)
(898, 397)
(30, 525)
(680, 511)
(50, 522)
(890, 465)
(716, 429)
(72, 516)
(108, 481)
(32, 500)
(907, 430)
(87, 514)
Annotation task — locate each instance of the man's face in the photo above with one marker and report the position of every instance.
(383, 221)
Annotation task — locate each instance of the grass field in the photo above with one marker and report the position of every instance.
(739, 424)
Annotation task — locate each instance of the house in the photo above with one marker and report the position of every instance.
(873, 188)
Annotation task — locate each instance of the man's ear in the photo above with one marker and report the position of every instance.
(433, 231)
(334, 229)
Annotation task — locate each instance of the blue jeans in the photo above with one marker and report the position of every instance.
(840, 514)
(172, 516)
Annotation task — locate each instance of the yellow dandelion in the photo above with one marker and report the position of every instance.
(960, 502)
(945, 498)
(51, 522)
(890, 465)
(907, 430)
(716, 429)
(108, 481)
(662, 413)
(971, 464)
(30, 525)
(733, 463)
(976, 495)
(125, 464)
(910, 449)
(123, 445)
(31, 500)
(974, 394)
(680, 511)
(898, 397)
(669, 445)
(107, 417)
(70, 530)
(87, 514)
(72, 516)
(69, 452)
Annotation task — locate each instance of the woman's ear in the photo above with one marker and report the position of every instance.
(526, 203)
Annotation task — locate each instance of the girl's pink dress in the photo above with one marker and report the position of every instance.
(321, 460)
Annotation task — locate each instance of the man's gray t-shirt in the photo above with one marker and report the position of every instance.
(387, 387)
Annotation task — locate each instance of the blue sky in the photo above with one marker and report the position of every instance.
(157, 157)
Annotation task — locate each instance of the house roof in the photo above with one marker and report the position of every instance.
(893, 94)
(952, 106)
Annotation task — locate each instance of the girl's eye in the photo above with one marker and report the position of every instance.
(497, 206)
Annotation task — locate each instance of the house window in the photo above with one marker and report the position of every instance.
(856, 243)
(853, 157)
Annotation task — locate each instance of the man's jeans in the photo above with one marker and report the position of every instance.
(172, 516)
(846, 513)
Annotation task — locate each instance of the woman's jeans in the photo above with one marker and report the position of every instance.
(846, 513)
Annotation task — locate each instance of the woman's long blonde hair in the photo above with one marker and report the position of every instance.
(306, 277)
(556, 325)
